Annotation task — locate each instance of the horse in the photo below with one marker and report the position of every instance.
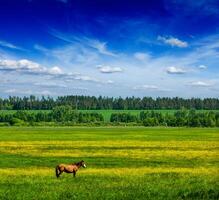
(72, 168)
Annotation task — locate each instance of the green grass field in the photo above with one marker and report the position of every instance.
(122, 163)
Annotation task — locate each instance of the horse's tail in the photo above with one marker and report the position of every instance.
(57, 171)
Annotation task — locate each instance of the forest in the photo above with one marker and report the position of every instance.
(180, 118)
(106, 103)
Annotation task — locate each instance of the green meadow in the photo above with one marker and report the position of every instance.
(122, 163)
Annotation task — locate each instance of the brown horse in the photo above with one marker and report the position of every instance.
(72, 168)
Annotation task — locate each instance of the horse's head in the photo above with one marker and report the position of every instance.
(83, 164)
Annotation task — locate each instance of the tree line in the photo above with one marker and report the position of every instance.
(59, 115)
(106, 103)
(181, 118)
(65, 115)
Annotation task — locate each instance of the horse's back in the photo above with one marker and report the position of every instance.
(67, 168)
(61, 167)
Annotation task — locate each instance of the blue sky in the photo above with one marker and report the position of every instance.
(109, 48)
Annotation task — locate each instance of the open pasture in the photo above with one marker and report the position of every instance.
(122, 163)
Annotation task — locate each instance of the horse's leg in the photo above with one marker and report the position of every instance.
(57, 172)
(74, 173)
(60, 172)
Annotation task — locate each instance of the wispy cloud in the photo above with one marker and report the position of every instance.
(9, 45)
(202, 67)
(201, 84)
(146, 87)
(99, 46)
(109, 69)
(41, 48)
(29, 92)
(151, 88)
(50, 85)
(173, 41)
(142, 56)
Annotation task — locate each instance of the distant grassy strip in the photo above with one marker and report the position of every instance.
(112, 133)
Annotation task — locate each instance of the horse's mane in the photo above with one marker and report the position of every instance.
(78, 163)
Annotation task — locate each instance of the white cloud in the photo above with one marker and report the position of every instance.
(50, 85)
(109, 69)
(9, 45)
(44, 92)
(27, 64)
(175, 70)
(33, 68)
(79, 88)
(109, 82)
(55, 70)
(85, 78)
(173, 41)
(28, 92)
(23, 65)
(201, 84)
(146, 87)
(152, 88)
(202, 67)
(10, 91)
(142, 56)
